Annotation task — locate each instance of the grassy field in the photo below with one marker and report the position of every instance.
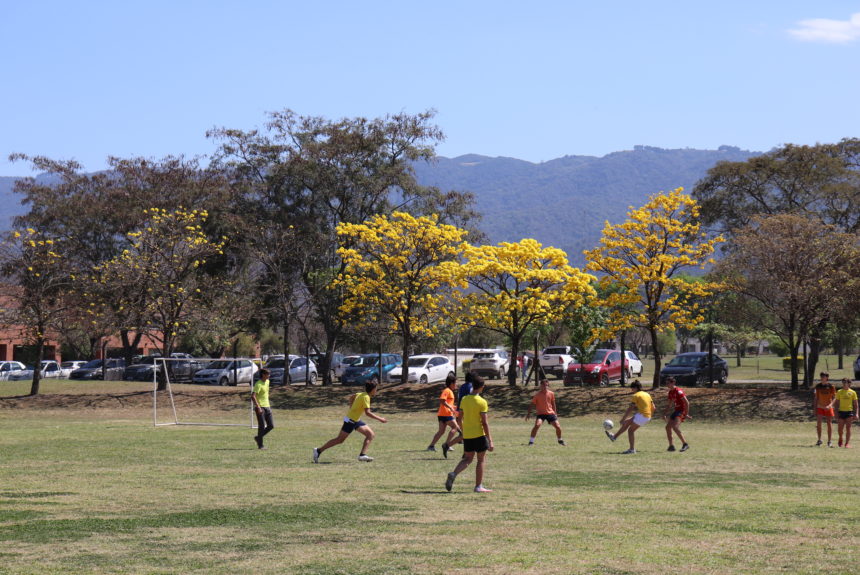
(89, 485)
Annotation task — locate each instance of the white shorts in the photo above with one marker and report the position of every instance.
(640, 419)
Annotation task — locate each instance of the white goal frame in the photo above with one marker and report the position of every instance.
(161, 365)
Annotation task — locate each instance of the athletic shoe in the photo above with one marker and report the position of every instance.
(449, 483)
(363, 457)
(258, 441)
(530, 443)
(431, 448)
(482, 489)
(847, 446)
(628, 452)
(840, 442)
(671, 448)
(561, 442)
(445, 450)
(818, 443)
(685, 447)
(611, 436)
(829, 444)
(316, 455)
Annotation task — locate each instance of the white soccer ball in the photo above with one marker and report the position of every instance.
(607, 424)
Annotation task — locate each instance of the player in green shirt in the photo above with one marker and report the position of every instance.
(359, 405)
(847, 410)
(476, 435)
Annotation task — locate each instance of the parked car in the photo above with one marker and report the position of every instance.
(635, 363)
(366, 368)
(554, 360)
(181, 367)
(67, 367)
(691, 369)
(48, 367)
(98, 369)
(227, 372)
(493, 364)
(9, 367)
(337, 365)
(604, 367)
(424, 369)
(300, 368)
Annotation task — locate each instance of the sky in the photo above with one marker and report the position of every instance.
(535, 80)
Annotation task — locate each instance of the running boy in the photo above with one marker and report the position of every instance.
(544, 404)
(446, 415)
(825, 397)
(643, 406)
(677, 410)
(359, 405)
(847, 411)
(262, 407)
(476, 435)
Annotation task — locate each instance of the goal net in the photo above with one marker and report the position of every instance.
(229, 371)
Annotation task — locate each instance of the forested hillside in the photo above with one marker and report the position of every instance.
(562, 202)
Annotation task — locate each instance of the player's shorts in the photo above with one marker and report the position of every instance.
(476, 444)
(846, 414)
(640, 419)
(548, 417)
(349, 425)
(824, 411)
(677, 414)
(445, 418)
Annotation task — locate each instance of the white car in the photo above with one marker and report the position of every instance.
(424, 369)
(67, 367)
(7, 368)
(49, 368)
(493, 364)
(634, 363)
(227, 372)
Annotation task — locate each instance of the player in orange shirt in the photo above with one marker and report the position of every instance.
(825, 397)
(447, 416)
(544, 404)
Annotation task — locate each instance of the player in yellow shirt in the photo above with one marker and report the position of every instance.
(262, 407)
(359, 405)
(446, 415)
(847, 410)
(477, 440)
(641, 409)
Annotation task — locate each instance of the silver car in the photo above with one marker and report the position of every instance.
(227, 372)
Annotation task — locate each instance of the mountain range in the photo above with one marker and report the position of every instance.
(562, 203)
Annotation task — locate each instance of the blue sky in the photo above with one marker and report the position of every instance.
(532, 80)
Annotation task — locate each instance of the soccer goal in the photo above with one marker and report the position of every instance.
(176, 369)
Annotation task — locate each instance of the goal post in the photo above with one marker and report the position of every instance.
(168, 406)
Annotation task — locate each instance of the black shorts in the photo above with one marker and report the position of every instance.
(548, 417)
(476, 444)
(676, 414)
(349, 425)
(845, 414)
(445, 418)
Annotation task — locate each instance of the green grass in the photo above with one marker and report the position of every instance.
(86, 490)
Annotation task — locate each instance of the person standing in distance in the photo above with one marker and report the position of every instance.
(847, 411)
(477, 440)
(446, 415)
(262, 407)
(544, 404)
(825, 397)
(359, 405)
(677, 410)
(638, 414)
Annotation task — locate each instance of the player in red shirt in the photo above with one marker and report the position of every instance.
(677, 410)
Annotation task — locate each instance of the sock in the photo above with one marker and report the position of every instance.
(531, 440)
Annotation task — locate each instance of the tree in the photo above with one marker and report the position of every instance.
(516, 286)
(162, 272)
(644, 256)
(394, 271)
(38, 281)
(801, 271)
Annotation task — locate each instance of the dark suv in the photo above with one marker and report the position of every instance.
(691, 369)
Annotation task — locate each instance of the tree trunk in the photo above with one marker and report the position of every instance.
(37, 367)
(513, 363)
(658, 357)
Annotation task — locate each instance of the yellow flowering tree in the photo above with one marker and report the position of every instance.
(395, 272)
(38, 282)
(516, 286)
(162, 274)
(643, 256)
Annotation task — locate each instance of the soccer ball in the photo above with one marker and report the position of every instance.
(607, 424)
